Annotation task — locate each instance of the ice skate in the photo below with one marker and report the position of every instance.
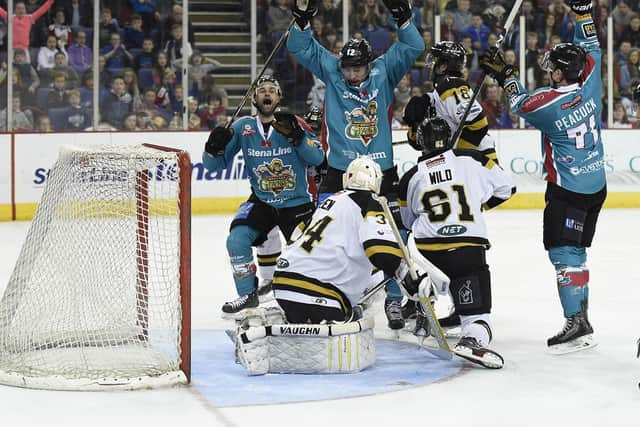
(470, 349)
(422, 329)
(576, 335)
(238, 307)
(393, 310)
(409, 310)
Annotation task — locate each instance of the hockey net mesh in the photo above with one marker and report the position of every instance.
(94, 298)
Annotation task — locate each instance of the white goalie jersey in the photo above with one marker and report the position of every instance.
(442, 198)
(331, 262)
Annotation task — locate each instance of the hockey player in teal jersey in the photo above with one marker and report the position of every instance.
(277, 148)
(568, 115)
(358, 103)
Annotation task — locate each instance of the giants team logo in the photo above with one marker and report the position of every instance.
(362, 123)
(247, 130)
(275, 177)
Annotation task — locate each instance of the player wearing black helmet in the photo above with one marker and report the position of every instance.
(568, 115)
(358, 98)
(442, 200)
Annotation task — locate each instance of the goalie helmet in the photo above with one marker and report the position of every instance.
(356, 53)
(363, 174)
(446, 52)
(568, 58)
(433, 136)
(266, 79)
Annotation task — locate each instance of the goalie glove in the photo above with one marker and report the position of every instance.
(287, 124)
(303, 11)
(409, 284)
(492, 62)
(218, 140)
(581, 7)
(400, 10)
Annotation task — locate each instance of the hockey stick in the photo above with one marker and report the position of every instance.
(252, 88)
(507, 26)
(444, 351)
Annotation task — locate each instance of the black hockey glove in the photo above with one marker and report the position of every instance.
(492, 62)
(581, 7)
(303, 11)
(417, 109)
(287, 124)
(403, 277)
(218, 140)
(400, 10)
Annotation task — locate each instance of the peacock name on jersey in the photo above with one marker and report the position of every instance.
(275, 177)
(277, 151)
(576, 117)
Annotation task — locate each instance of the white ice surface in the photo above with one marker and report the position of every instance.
(598, 387)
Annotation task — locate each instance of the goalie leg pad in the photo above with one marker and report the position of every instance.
(472, 293)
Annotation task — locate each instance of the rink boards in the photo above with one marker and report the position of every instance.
(25, 159)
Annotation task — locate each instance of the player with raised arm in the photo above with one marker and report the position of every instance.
(449, 99)
(441, 200)
(277, 148)
(358, 102)
(323, 274)
(568, 115)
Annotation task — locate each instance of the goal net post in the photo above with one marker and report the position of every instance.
(99, 297)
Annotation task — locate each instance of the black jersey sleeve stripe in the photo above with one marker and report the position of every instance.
(403, 186)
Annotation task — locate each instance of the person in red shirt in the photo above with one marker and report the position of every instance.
(22, 23)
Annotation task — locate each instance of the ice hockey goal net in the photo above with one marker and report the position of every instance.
(100, 294)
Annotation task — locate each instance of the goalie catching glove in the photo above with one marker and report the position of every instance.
(400, 10)
(287, 124)
(218, 140)
(493, 63)
(581, 7)
(303, 11)
(408, 283)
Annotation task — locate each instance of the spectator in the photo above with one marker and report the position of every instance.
(331, 40)
(402, 92)
(622, 54)
(622, 15)
(131, 86)
(210, 114)
(107, 26)
(60, 29)
(492, 105)
(79, 13)
(146, 58)
(57, 97)
(43, 123)
(105, 75)
(173, 48)
(620, 118)
(166, 91)
(22, 119)
(550, 30)
(175, 17)
(133, 34)
(194, 117)
(22, 23)
(158, 123)
(146, 10)
(317, 26)
(143, 119)
(416, 91)
(211, 90)
(61, 66)
(532, 55)
(177, 98)
(630, 71)
(28, 77)
(396, 121)
(116, 54)
(315, 97)
(370, 16)
(278, 16)
(161, 63)
(199, 66)
(80, 55)
(130, 123)
(462, 17)
(46, 56)
(427, 37)
(117, 104)
(86, 90)
(479, 34)
(631, 33)
(329, 13)
(150, 106)
(76, 117)
(446, 27)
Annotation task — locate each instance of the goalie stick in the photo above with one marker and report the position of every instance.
(444, 351)
(507, 26)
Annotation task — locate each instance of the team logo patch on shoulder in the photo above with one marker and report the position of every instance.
(589, 29)
(247, 130)
(572, 104)
(436, 161)
(511, 88)
(282, 263)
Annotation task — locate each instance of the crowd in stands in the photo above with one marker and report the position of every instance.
(140, 56)
(476, 25)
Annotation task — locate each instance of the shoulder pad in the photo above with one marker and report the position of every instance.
(476, 155)
(451, 83)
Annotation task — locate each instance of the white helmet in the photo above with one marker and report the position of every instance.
(363, 174)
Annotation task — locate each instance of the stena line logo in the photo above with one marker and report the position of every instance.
(235, 170)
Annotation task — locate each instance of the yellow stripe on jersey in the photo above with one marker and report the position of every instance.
(374, 213)
(303, 284)
(480, 123)
(382, 249)
(466, 145)
(444, 246)
(266, 260)
(452, 92)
